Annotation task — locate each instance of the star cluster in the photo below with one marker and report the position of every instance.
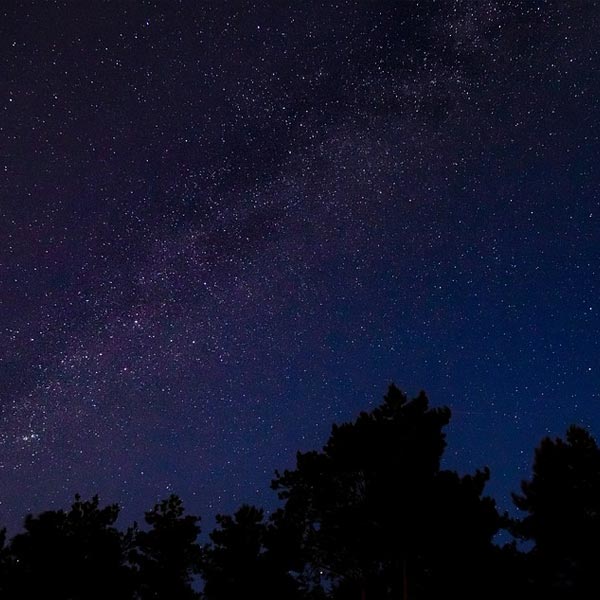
(226, 225)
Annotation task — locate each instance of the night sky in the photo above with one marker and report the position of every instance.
(225, 225)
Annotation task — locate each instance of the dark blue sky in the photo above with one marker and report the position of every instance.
(225, 225)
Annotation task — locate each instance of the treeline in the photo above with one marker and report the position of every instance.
(371, 516)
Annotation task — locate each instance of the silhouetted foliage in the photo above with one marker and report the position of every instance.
(79, 554)
(370, 516)
(73, 555)
(562, 500)
(506, 573)
(167, 555)
(5, 562)
(372, 513)
(241, 561)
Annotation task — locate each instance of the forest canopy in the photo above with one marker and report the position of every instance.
(370, 515)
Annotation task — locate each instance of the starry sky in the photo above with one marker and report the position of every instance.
(226, 224)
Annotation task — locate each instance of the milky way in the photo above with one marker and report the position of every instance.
(225, 225)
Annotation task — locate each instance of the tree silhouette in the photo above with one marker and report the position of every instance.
(167, 555)
(373, 516)
(370, 516)
(72, 555)
(6, 563)
(562, 502)
(241, 561)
